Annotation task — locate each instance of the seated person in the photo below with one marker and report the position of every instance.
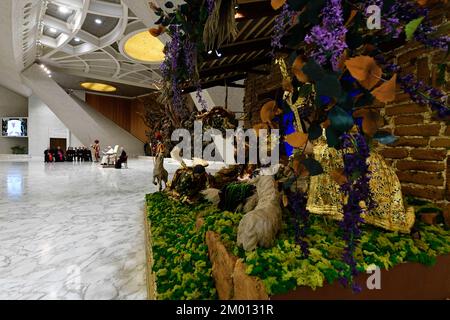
(48, 155)
(107, 154)
(87, 155)
(59, 155)
(70, 154)
(122, 159)
(79, 154)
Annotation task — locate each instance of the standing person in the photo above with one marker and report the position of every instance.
(80, 154)
(96, 147)
(48, 157)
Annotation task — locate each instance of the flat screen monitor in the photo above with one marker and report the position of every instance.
(14, 127)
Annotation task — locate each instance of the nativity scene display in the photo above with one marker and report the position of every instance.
(328, 208)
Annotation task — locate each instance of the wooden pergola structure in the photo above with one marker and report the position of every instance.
(247, 53)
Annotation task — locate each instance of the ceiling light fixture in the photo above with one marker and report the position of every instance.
(100, 87)
(63, 10)
(52, 30)
(98, 21)
(77, 39)
(144, 47)
(43, 66)
(210, 51)
(218, 54)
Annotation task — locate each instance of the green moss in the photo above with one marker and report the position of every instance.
(183, 270)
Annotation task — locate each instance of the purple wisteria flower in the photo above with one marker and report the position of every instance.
(419, 91)
(390, 25)
(403, 11)
(190, 57)
(169, 68)
(200, 98)
(329, 37)
(279, 32)
(210, 5)
(356, 190)
(300, 219)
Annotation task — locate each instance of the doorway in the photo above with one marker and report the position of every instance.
(58, 142)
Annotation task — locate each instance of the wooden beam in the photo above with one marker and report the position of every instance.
(218, 82)
(240, 66)
(256, 10)
(240, 47)
(235, 85)
(260, 72)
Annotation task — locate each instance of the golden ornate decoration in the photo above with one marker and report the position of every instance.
(325, 197)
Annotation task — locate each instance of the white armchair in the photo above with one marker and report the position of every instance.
(110, 156)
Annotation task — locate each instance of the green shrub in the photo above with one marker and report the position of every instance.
(183, 270)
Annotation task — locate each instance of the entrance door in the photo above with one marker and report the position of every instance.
(58, 142)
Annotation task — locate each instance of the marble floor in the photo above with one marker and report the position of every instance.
(73, 231)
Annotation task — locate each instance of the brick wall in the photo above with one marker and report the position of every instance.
(258, 90)
(421, 156)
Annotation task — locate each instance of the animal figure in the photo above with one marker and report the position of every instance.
(261, 225)
(159, 173)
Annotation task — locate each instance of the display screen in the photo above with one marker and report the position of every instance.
(14, 127)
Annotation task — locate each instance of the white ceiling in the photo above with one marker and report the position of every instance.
(72, 43)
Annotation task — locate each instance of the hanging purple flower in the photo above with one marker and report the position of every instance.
(190, 57)
(169, 67)
(300, 219)
(389, 25)
(329, 37)
(420, 92)
(285, 17)
(402, 12)
(210, 5)
(200, 98)
(356, 190)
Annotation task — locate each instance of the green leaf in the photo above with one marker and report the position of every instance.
(332, 137)
(329, 86)
(385, 137)
(340, 120)
(411, 27)
(313, 166)
(313, 70)
(314, 131)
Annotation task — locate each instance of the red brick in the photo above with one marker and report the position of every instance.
(402, 97)
(409, 68)
(394, 153)
(419, 130)
(428, 154)
(431, 193)
(405, 109)
(411, 142)
(438, 57)
(420, 165)
(447, 215)
(432, 179)
(447, 185)
(410, 119)
(440, 143)
(411, 55)
(423, 71)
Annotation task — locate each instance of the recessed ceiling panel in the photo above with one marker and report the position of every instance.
(58, 12)
(99, 30)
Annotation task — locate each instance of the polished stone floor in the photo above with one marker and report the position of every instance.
(73, 231)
